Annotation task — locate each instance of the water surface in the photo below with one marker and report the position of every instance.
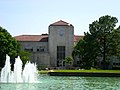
(67, 83)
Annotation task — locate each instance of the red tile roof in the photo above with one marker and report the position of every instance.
(77, 38)
(41, 38)
(60, 23)
(33, 38)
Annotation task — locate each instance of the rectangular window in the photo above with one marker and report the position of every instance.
(60, 52)
(40, 49)
(78, 62)
(29, 49)
(60, 55)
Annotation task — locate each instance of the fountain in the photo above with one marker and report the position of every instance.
(27, 75)
(26, 80)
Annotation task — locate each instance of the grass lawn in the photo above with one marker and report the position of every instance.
(87, 71)
(43, 71)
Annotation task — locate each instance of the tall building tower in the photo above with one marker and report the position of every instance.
(61, 35)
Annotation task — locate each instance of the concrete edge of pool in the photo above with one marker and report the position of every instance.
(84, 74)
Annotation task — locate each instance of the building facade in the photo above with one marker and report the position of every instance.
(50, 50)
(61, 35)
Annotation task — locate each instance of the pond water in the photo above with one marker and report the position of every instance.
(67, 83)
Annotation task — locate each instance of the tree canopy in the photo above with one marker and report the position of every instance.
(8, 45)
(25, 56)
(101, 42)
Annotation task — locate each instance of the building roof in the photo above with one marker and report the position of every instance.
(61, 23)
(40, 38)
(32, 38)
(77, 38)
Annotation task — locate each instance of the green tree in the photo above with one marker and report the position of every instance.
(8, 45)
(116, 42)
(90, 51)
(102, 30)
(102, 41)
(25, 56)
(79, 51)
(68, 61)
(83, 51)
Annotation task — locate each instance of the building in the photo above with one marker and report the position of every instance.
(50, 50)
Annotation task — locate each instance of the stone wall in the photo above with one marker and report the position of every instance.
(60, 36)
(39, 56)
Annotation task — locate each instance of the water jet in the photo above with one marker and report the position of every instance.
(27, 75)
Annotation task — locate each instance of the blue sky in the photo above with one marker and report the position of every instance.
(34, 16)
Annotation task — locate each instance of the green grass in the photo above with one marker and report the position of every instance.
(87, 71)
(43, 72)
(90, 71)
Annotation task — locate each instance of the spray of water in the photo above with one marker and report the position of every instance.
(27, 75)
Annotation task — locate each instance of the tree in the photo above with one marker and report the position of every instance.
(8, 45)
(116, 42)
(79, 51)
(90, 51)
(103, 30)
(102, 41)
(83, 51)
(25, 56)
(68, 61)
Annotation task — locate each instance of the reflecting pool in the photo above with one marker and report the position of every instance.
(47, 82)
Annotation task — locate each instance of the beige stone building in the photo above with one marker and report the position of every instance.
(50, 50)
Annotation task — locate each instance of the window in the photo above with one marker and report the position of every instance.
(40, 49)
(60, 52)
(113, 63)
(60, 55)
(78, 62)
(116, 63)
(29, 49)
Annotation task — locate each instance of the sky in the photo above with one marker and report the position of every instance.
(32, 17)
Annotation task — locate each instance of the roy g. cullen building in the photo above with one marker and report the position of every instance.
(50, 50)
